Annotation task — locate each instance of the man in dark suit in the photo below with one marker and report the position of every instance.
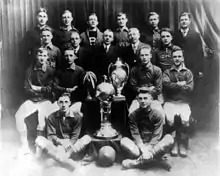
(191, 43)
(81, 52)
(105, 54)
(130, 53)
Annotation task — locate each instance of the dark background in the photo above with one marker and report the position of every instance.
(18, 16)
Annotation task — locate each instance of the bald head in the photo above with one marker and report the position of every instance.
(108, 36)
(134, 35)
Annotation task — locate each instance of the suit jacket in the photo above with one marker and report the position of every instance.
(193, 50)
(151, 38)
(103, 59)
(83, 57)
(85, 38)
(128, 55)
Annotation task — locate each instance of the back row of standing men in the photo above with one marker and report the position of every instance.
(108, 46)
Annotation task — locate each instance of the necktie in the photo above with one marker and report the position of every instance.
(106, 49)
(134, 48)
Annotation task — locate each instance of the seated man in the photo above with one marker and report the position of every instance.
(145, 75)
(63, 130)
(38, 85)
(70, 78)
(146, 127)
(105, 54)
(130, 53)
(178, 83)
(83, 57)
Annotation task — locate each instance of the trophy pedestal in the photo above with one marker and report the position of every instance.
(119, 98)
(106, 132)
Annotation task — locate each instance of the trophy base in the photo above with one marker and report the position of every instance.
(119, 98)
(106, 132)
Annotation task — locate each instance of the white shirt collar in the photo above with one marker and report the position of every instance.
(106, 47)
(125, 28)
(135, 44)
(76, 49)
(49, 45)
(66, 28)
(184, 31)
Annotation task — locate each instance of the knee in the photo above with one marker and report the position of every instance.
(42, 142)
(86, 139)
(130, 147)
(169, 139)
(17, 116)
(181, 121)
(170, 123)
(125, 142)
(76, 107)
(134, 105)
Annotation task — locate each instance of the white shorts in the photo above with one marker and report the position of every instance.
(44, 108)
(175, 107)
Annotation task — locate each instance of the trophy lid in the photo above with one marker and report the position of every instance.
(119, 62)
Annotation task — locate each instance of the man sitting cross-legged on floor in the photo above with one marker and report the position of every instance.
(146, 127)
(63, 130)
(38, 85)
(178, 83)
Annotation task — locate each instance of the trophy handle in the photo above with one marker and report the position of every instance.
(109, 70)
(128, 69)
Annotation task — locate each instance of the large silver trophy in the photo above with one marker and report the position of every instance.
(105, 92)
(118, 75)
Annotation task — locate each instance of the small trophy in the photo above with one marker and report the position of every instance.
(118, 75)
(105, 92)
